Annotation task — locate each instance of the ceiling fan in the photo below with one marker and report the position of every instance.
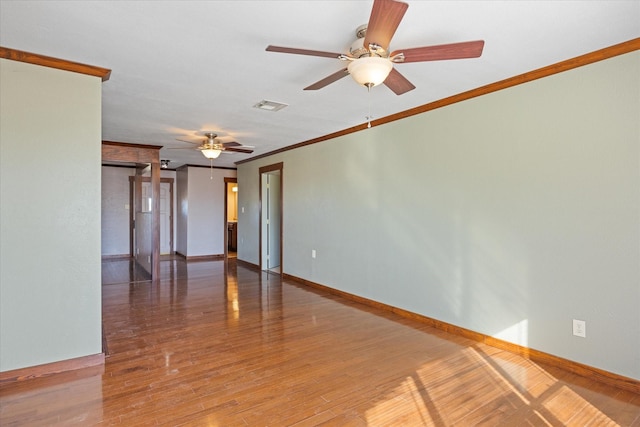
(211, 147)
(371, 62)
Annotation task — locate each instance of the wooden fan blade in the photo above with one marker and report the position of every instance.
(238, 150)
(296, 51)
(383, 22)
(231, 144)
(398, 83)
(441, 52)
(328, 80)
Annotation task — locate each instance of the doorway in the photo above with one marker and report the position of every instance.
(231, 217)
(271, 184)
(166, 212)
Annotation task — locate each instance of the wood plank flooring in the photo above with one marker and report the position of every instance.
(215, 344)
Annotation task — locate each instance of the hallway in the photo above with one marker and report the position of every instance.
(214, 343)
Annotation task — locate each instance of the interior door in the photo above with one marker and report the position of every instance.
(264, 222)
(273, 228)
(271, 218)
(142, 233)
(165, 213)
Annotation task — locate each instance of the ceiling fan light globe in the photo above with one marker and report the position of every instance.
(370, 71)
(211, 154)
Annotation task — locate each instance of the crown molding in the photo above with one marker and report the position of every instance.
(60, 64)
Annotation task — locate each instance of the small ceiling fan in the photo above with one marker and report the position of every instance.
(211, 147)
(371, 62)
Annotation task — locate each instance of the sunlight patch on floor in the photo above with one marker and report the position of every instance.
(569, 408)
(406, 404)
(510, 386)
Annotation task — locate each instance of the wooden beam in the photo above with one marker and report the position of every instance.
(155, 222)
(130, 153)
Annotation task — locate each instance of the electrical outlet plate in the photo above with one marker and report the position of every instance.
(313, 253)
(579, 328)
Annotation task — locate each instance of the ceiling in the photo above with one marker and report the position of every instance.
(183, 67)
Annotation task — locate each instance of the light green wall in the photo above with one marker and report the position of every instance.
(50, 133)
(509, 214)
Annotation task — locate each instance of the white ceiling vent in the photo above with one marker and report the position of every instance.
(270, 105)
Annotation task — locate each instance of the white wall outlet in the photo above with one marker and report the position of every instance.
(313, 253)
(243, 209)
(579, 328)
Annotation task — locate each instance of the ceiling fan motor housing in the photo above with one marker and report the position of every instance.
(358, 50)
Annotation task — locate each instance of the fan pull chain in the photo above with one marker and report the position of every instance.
(369, 117)
(211, 163)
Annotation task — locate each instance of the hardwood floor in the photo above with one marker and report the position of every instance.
(217, 344)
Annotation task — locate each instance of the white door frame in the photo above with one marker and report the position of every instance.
(277, 167)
